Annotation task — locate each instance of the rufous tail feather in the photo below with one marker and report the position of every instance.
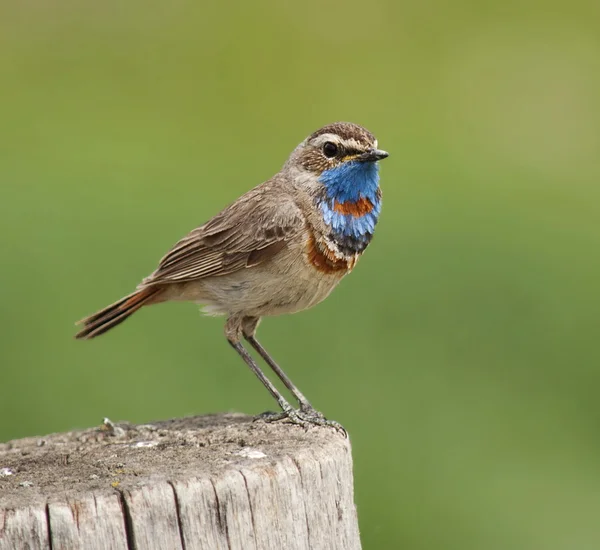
(116, 313)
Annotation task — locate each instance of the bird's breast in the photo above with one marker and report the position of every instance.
(351, 223)
(325, 257)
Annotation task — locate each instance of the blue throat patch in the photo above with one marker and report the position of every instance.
(349, 183)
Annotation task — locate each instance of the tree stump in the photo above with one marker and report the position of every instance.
(210, 482)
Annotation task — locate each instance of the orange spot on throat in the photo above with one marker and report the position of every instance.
(357, 209)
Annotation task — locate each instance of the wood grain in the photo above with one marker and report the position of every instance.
(199, 483)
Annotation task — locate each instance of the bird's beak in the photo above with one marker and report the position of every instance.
(372, 155)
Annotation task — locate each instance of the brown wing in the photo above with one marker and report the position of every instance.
(247, 233)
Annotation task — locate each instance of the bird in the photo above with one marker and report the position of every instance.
(280, 248)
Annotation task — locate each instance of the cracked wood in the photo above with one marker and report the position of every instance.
(213, 482)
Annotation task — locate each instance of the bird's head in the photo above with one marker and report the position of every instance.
(342, 157)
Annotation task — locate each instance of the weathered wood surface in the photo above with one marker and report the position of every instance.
(212, 482)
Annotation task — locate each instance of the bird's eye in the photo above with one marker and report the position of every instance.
(330, 149)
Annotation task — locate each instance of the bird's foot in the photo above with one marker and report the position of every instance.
(305, 417)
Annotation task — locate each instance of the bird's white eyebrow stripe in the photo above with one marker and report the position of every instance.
(349, 143)
(353, 144)
(320, 140)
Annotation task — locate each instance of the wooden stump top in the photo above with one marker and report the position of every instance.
(206, 482)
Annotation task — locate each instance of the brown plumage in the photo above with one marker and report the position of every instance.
(268, 253)
(116, 313)
(244, 235)
(321, 257)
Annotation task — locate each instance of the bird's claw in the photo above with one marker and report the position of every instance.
(305, 417)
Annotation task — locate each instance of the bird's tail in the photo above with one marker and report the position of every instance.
(116, 313)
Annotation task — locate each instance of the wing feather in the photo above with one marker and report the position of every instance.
(247, 233)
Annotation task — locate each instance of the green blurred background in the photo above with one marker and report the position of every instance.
(462, 354)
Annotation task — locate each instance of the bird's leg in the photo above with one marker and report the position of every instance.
(307, 413)
(289, 413)
(249, 325)
(305, 406)
(232, 333)
(285, 406)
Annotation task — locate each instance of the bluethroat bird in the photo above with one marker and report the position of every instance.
(280, 248)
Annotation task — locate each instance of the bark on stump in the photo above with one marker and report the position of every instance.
(211, 482)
